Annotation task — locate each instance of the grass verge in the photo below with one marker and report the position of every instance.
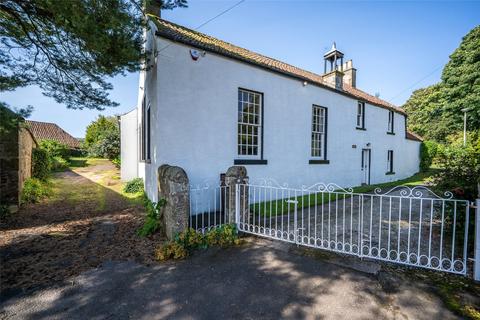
(281, 206)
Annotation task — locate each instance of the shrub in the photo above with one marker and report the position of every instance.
(223, 236)
(4, 211)
(428, 151)
(108, 146)
(460, 167)
(153, 220)
(171, 250)
(59, 163)
(189, 240)
(41, 164)
(117, 162)
(102, 138)
(34, 190)
(56, 149)
(133, 186)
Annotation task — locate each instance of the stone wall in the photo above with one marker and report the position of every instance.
(26, 144)
(9, 167)
(15, 164)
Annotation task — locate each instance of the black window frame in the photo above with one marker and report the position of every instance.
(145, 131)
(255, 159)
(391, 115)
(148, 134)
(142, 130)
(319, 159)
(360, 104)
(390, 156)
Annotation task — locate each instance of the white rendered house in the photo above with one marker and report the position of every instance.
(205, 105)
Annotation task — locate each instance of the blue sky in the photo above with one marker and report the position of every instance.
(397, 47)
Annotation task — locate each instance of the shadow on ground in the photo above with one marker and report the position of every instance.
(82, 225)
(249, 282)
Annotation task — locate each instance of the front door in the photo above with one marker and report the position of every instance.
(366, 160)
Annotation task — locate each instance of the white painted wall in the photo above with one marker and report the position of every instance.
(129, 146)
(194, 124)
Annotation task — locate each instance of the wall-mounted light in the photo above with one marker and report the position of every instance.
(305, 83)
(368, 144)
(194, 54)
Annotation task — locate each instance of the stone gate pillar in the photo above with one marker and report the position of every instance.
(173, 187)
(237, 175)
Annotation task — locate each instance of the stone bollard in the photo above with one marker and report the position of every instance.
(173, 187)
(237, 175)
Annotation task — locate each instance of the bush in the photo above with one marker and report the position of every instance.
(108, 146)
(153, 220)
(133, 186)
(171, 250)
(117, 162)
(189, 240)
(56, 149)
(428, 151)
(460, 166)
(102, 138)
(59, 163)
(34, 190)
(4, 212)
(41, 164)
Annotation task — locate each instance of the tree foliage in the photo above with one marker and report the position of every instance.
(41, 163)
(68, 48)
(12, 119)
(461, 79)
(460, 165)
(428, 152)
(102, 138)
(55, 149)
(436, 111)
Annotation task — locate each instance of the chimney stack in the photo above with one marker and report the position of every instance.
(153, 7)
(350, 74)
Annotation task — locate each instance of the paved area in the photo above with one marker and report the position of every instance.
(259, 280)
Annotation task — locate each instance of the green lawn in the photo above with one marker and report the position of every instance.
(280, 206)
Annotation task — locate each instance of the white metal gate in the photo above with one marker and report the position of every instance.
(411, 226)
(406, 225)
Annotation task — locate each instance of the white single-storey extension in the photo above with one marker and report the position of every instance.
(205, 105)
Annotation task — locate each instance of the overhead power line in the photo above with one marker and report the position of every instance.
(417, 82)
(209, 20)
(220, 14)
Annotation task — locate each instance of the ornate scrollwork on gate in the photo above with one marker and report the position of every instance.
(326, 187)
(417, 192)
(268, 182)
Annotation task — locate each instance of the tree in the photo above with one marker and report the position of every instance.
(68, 48)
(102, 138)
(11, 119)
(436, 111)
(426, 115)
(461, 80)
(460, 165)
